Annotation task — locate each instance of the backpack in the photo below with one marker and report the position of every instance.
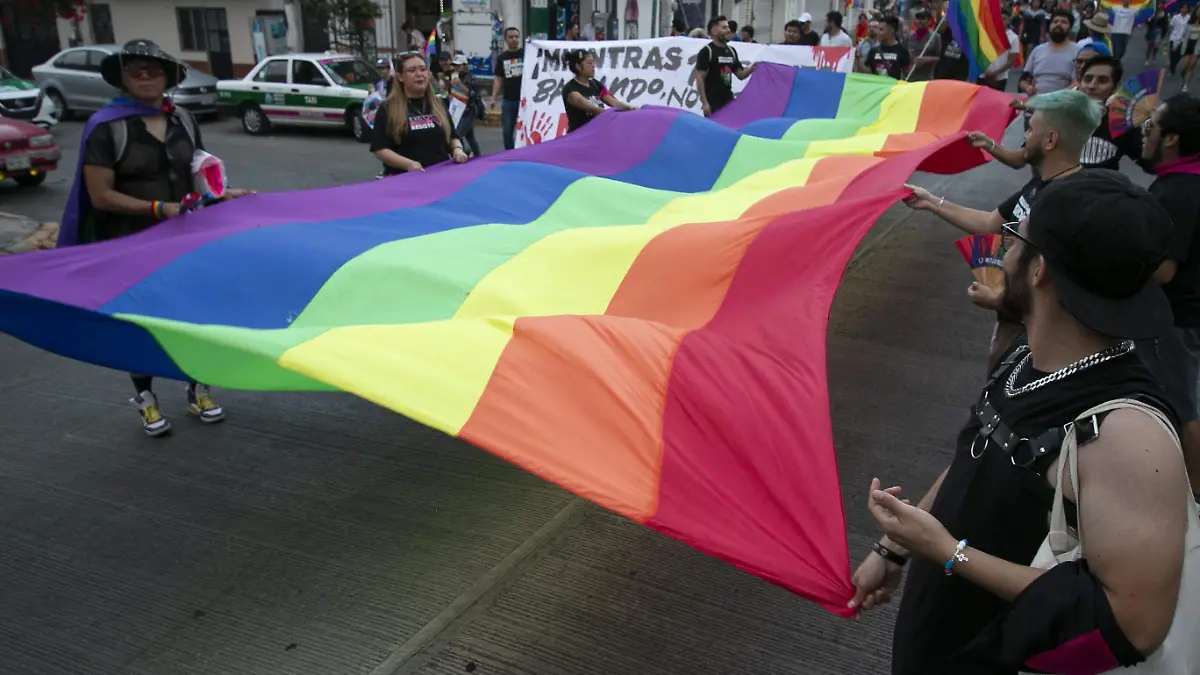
(120, 131)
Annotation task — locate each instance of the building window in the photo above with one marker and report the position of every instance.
(202, 30)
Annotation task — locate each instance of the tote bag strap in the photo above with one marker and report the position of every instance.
(1070, 457)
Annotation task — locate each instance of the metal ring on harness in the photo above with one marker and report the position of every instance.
(981, 450)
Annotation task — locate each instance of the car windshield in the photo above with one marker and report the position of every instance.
(349, 71)
(5, 74)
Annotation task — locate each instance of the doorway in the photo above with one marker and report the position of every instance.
(30, 37)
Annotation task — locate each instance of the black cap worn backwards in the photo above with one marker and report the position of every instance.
(1102, 238)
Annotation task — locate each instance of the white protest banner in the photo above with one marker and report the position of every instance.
(657, 71)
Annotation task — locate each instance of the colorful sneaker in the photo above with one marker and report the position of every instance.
(201, 405)
(152, 420)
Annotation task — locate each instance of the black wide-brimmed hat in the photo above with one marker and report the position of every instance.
(142, 50)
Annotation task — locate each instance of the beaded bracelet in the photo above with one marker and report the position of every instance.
(958, 556)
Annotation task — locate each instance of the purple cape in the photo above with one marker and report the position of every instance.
(79, 204)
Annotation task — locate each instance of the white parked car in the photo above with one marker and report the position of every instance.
(304, 90)
(22, 100)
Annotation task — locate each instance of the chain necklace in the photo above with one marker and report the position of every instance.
(1119, 349)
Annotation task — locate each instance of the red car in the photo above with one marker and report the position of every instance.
(27, 152)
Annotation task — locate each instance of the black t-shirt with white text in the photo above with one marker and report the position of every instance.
(953, 64)
(510, 65)
(888, 60)
(1016, 208)
(593, 92)
(423, 141)
(1179, 194)
(720, 64)
(1102, 151)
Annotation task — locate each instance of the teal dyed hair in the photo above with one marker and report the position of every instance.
(1071, 113)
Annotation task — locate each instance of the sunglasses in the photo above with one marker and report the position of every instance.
(1009, 235)
(143, 70)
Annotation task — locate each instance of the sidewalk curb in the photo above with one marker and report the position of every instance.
(25, 235)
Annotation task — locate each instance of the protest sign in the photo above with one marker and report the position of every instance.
(657, 71)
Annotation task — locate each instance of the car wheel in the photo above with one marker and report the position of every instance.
(358, 126)
(30, 181)
(60, 105)
(255, 121)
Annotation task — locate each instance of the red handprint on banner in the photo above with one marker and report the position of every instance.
(827, 58)
(542, 127)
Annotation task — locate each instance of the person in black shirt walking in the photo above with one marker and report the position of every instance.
(1079, 275)
(716, 64)
(889, 58)
(412, 128)
(584, 97)
(1172, 147)
(509, 67)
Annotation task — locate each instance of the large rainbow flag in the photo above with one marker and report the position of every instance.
(636, 311)
(978, 28)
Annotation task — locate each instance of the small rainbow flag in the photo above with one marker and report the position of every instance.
(978, 27)
(431, 46)
(1146, 9)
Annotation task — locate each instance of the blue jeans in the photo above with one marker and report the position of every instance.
(508, 118)
(1119, 42)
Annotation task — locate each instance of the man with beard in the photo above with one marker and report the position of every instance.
(1099, 79)
(1172, 148)
(716, 63)
(1062, 122)
(1051, 65)
(1079, 276)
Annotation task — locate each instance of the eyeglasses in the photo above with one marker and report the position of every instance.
(1009, 235)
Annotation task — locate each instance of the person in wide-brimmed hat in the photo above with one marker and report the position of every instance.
(1098, 29)
(141, 52)
(135, 171)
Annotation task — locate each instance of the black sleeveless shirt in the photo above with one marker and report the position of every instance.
(1002, 509)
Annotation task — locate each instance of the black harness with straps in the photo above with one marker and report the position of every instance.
(1038, 453)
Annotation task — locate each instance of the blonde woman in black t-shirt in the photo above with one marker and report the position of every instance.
(584, 97)
(412, 128)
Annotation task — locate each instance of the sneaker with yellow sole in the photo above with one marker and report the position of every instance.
(152, 420)
(201, 404)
